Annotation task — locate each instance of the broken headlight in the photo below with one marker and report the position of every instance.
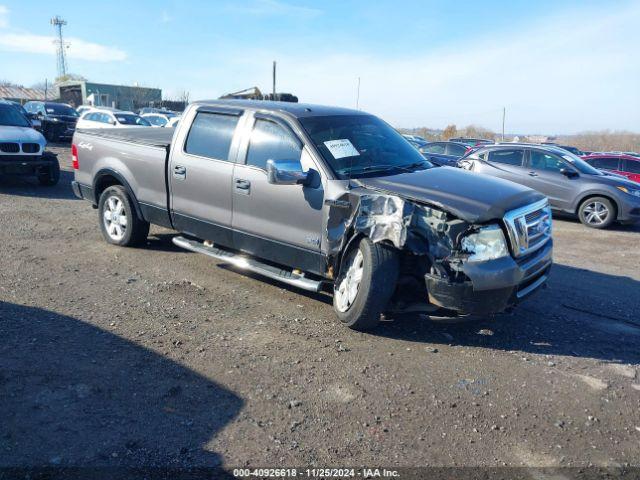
(488, 243)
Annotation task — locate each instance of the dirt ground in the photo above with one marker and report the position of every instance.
(160, 357)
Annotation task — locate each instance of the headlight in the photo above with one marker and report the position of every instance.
(488, 243)
(631, 191)
(54, 119)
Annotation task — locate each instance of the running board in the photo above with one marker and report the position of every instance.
(251, 264)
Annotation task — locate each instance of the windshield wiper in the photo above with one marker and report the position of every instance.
(377, 168)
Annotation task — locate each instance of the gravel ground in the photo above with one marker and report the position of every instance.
(160, 357)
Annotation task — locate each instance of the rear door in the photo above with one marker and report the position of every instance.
(544, 175)
(436, 152)
(200, 173)
(505, 163)
(281, 223)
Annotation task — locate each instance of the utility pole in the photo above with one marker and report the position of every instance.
(358, 95)
(58, 23)
(274, 80)
(46, 87)
(504, 113)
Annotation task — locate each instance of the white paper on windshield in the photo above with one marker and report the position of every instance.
(341, 148)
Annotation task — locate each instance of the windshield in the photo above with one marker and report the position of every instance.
(131, 119)
(60, 109)
(11, 116)
(362, 145)
(579, 164)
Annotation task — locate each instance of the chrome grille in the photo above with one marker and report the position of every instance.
(528, 227)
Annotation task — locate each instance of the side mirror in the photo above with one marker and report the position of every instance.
(569, 173)
(286, 172)
(112, 122)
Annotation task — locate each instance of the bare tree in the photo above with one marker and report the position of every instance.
(449, 132)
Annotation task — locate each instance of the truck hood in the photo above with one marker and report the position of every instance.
(21, 135)
(472, 197)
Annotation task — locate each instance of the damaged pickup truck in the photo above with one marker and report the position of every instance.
(321, 198)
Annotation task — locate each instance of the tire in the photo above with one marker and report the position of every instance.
(122, 226)
(378, 278)
(49, 176)
(597, 212)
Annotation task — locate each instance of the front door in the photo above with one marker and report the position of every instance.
(544, 175)
(200, 173)
(281, 223)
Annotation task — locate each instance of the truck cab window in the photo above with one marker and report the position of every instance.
(271, 141)
(210, 135)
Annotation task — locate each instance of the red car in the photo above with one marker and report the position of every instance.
(622, 164)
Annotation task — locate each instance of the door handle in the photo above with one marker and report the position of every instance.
(243, 186)
(533, 174)
(179, 171)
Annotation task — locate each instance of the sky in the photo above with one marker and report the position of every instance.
(556, 66)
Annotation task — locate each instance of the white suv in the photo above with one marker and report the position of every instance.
(104, 118)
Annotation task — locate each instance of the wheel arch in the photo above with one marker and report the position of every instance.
(106, 178)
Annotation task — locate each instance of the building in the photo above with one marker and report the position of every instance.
(23, 94)
(124, 97)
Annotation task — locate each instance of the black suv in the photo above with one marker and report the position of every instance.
(56, 121)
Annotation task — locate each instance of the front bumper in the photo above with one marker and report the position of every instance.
(493, 286)
(628, 208)
(23, 164)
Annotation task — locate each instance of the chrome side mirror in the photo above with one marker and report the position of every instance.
(286, 172)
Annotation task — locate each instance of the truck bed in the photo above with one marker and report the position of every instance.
(155, 137)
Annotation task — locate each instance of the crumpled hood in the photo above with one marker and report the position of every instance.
(472, 197)
(21, 135)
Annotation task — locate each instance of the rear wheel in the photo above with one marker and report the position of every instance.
(366, 283)
(119, 221)
(597, 212)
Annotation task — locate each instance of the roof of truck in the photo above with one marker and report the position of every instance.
(298, 110)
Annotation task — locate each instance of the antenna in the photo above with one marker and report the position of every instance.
(58, 23)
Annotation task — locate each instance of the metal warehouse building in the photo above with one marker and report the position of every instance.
(104, 95)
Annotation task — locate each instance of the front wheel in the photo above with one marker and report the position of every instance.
(119, 221)
(50, 175)
(597, 212)
(365, 285)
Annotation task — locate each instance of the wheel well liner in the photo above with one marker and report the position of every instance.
(106, 178)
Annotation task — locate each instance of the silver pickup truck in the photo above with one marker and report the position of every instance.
(321, 198)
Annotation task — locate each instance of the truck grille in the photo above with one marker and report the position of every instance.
(30, 147)
(9, 147)
(528, 227)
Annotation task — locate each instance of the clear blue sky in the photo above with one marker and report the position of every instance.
(557, 66)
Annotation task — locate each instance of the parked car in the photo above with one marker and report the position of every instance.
(162, 111)
(571, 184)
(445, 153)
(22, 149)
(157, 119)
(56, 121)
(102, 118)
(568, 148)
(622, 164)
(84, 108)
(472, 141)
(320, 197)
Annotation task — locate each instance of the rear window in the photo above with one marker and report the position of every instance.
(508, 157)
(434, 148)
(210, 135)
(456, 150)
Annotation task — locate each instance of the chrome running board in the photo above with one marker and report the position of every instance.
(251, 264)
